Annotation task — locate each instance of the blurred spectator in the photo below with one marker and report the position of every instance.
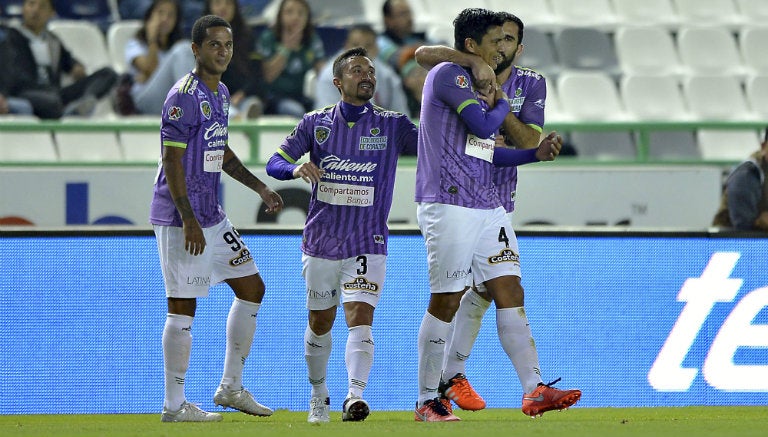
(289, 49)
(158, 55)
(243, 76)
(399, 40)
(413, 76)
(389, 88)
(9, 105)
(35, 62)
(134, 10)
(744, 202)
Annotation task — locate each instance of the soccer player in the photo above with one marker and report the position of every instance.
(460, 213)
(198, 245)
(353, 149)
(522, 129)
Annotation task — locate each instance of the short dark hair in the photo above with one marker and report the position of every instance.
(507, 16)
(341, 60)
(202, 24)
(473, 23)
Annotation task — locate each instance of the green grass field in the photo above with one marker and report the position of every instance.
(656, 422)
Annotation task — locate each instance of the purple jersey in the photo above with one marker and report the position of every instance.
(350, 205)
(527, 92)
(196, 119)
(454, 166)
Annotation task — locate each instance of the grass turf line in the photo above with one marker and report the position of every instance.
(592, 422)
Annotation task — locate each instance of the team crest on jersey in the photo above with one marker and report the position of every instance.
(378, 239)
(175, 113)
(518, 92)
(462, 81)
(205, 108)
(375, 131)
(321, 134)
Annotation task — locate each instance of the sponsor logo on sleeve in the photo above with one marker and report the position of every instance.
(175, 113)
(462, 81)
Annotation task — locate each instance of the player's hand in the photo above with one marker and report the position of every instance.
(484, 77)
(272, 200)
(549, 147)
(194, 240)
(309, 172)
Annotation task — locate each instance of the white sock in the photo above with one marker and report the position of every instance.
(517, 341)
(433, 333)
(241, 325)
(359, 358)
(177, 345)
(464, 330)
(317, 351)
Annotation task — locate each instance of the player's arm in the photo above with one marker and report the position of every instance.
(519, 134)
(429, 56)
(233, 167)
(547, 150)
(194, 241)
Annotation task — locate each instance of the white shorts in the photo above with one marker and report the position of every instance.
(360, 279)
(466, 244)
(186, 276)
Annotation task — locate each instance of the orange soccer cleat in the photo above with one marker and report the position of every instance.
(459, 390)
(547, 398)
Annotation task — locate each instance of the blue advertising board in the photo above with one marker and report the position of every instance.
(631, 320)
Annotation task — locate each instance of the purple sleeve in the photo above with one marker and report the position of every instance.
(484, 124)
(532, 111)
(407, 137)
(453, 86)
(279, 168)
(506, 157)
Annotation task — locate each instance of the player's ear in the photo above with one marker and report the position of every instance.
(470, 45)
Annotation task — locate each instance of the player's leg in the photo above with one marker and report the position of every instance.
(454, 384)
(450, 234)
(501, 270)
(234, 264)
(322, 279)
(361, 287)
(178, 265)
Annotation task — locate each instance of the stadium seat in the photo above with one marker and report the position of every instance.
(87, 146)
(31, 147)
(752, 44)
(539, 53)
(604, 145)
(536, 14)
(586, 48)
(653, 98)
(117, 36)
(673, 144)
(85, 40)
(716, 98)
(99, 12)
(647, 50)
(440, 12)
(753, 12)
(727, 145)
(553, 111)
(718, 13)
(590, 96)
(595, 14)
(710, 50)
(757, 95)
(647, 13)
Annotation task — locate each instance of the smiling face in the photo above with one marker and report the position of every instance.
(490, 47)
(358, 80)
